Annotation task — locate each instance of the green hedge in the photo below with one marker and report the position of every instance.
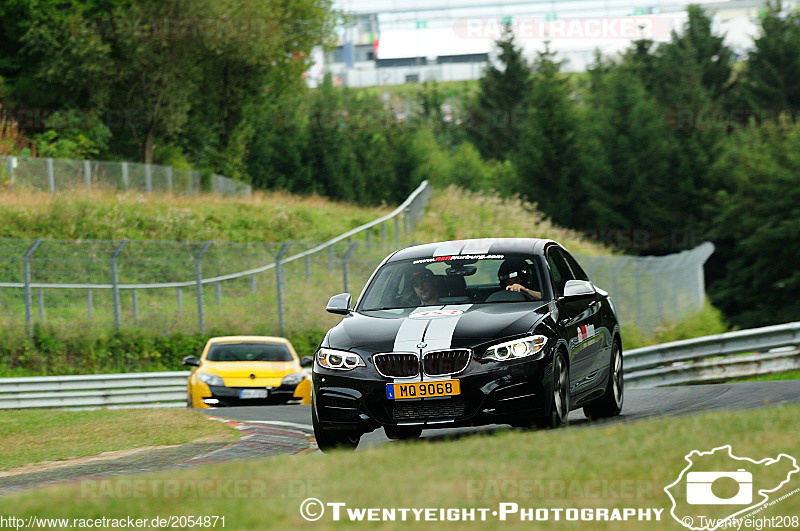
(51, 352)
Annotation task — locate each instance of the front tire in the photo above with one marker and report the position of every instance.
(610, 404)
(557, 413)
(329, 440)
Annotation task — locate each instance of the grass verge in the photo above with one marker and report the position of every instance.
(789, 375)
(607, 465)
(32, 436)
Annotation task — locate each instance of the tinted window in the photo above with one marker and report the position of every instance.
(559, 269)
(249, 352)
(456, 281)
(577, 270)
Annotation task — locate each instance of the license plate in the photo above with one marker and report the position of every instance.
(401, 391)
(253, 393)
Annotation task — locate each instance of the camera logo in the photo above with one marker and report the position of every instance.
(698, 488)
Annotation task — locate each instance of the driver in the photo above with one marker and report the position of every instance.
(424, 284)
(515, 274)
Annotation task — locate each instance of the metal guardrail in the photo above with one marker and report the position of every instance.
(143, 389)
(700, 360)
(715, 358)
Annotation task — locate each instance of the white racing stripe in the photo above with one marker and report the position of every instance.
(439, 335)
(410, 333)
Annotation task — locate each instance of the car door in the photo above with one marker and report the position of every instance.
(597, 336)
(575, 318)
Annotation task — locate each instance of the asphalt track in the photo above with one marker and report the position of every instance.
(639, 404)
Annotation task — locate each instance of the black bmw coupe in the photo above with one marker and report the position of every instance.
(464, 333)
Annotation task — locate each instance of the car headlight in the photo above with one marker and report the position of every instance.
(210, 379)
(518, 348)
(339, 359)
(293, 379)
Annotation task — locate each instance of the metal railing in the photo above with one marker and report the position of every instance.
(700, 360)
(147, 389)
(102, 268)
(57, 175)
(715, 358)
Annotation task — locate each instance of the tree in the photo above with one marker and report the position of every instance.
(549, 160)
(757, 227)
(772, 73)
(630, 183)
(498, 114)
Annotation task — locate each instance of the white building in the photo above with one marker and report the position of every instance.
(390, 42)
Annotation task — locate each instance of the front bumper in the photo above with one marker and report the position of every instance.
(491, 393)
(231, 396)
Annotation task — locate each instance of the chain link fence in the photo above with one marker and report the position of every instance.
(62, 174)
(649, 290)
(190, 286)
(271, 287)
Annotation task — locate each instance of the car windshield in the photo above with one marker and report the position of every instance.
(459, 280)
(249, 352)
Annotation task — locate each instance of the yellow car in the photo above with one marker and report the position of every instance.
(246, 371)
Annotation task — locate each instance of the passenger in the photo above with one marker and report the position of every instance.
(515, 274)
(424, 282)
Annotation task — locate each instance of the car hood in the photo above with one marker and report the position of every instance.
(438, 327)
(243, 369)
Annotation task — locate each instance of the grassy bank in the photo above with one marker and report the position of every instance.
(32, 436)
(610, 466)
(100, 215)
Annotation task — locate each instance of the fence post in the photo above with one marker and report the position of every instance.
(218, 292)
(396, 230)
(253, 283)
(125, 175)
(345, 259)
(26, 271)
(41, 305)
(383, 232)
(169, 179)
(89, 304)
(198, 277)
(135, 302)
(279, 283)
(330, 258)
(405, 221)
(179, 300)
(369, 233)
(115, 279)
(51, 179)
(10, 165)
(87, 174)
(148, 179)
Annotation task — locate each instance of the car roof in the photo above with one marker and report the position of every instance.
(252, 339)
(473, 246)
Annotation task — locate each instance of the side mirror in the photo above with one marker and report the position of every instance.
(191, 361)
(579, 289)
(339, 304)
(306, 361)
